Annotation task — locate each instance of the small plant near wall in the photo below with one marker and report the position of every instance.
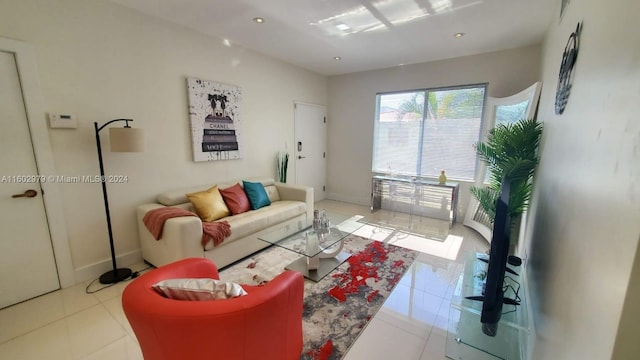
(283, 161)
(511, 150)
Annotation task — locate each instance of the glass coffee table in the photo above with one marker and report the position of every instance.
(321, 250)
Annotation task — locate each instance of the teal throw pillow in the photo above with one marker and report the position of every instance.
(257, 194)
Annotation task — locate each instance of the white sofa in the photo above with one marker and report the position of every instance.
(181, 236)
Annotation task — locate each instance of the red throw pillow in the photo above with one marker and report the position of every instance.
(236, 199)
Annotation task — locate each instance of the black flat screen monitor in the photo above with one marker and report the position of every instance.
(493, 298)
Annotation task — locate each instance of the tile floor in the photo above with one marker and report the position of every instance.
(71, 324)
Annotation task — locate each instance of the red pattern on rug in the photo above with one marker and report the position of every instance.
(330, 325)
(323, 352)
(363, 266)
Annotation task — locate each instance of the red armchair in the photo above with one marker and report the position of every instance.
(265, 324)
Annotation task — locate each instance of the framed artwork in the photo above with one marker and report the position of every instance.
(215, 121)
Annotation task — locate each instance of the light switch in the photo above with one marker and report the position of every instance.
(65, 121)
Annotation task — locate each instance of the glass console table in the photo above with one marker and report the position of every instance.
(432, 199)
(465, 339)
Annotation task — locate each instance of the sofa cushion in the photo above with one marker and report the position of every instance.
(253, 221)
(236, 199)
(198, 289)
(273, 193)
(257, 195)
(209, 204)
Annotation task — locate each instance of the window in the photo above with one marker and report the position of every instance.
(508, 114)
(420, 133)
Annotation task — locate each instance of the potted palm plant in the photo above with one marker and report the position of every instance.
(510, 150)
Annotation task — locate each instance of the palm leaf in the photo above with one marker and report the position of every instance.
(510, 151)
(487, 198)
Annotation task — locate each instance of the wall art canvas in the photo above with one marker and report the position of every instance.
(215, 120)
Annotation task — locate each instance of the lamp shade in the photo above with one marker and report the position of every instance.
(126, 139)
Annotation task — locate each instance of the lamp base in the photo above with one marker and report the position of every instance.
(114, 276)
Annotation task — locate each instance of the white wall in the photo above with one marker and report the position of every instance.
(352, 108)
(585, 216)
(101, 61)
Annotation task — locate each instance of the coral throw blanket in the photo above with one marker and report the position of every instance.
(211, 231)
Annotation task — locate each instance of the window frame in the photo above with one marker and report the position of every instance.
(426, 91)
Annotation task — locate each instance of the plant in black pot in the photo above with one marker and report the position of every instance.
(510, 150)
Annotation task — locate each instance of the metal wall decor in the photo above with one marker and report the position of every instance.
(569, 57)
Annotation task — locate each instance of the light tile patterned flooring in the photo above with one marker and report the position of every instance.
(71, 324)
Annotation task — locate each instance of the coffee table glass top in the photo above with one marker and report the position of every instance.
(293, 237)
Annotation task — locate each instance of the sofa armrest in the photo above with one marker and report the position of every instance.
(181, 238)
(297, 193)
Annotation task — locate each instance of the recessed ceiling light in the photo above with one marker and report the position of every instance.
(458, 35)
(337, 58)
(343, 27)
(259, 20)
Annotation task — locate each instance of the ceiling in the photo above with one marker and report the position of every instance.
(365, 34)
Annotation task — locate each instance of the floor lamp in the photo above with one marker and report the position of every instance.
(125, 139)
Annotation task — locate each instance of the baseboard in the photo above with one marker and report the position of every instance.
(93, 271)
(528, 336)
(349, 199)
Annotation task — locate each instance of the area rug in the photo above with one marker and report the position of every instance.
(338, 307)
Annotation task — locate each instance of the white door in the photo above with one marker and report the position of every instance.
(310, 148)
(27, 264)
(510, 109)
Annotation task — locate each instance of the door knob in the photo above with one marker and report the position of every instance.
(29, 193)
(301, 157)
